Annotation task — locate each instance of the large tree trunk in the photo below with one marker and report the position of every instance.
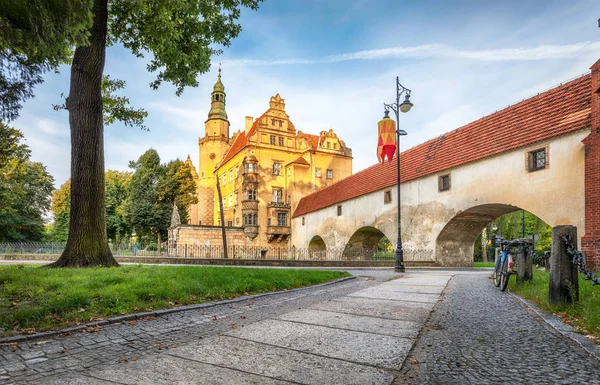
(87, 244)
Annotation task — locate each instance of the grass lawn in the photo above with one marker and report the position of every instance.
(585, 315)
(483, 264)
(34, 298)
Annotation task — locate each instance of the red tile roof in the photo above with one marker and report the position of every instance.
(240, 141)
(558, 111)
(301, 161)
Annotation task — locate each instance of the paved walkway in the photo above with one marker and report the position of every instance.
(357, 332)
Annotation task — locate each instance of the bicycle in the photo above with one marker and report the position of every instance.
(504, 265)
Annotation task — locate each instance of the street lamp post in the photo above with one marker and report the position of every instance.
(398, 107)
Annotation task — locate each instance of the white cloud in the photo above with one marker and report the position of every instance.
(441, 51)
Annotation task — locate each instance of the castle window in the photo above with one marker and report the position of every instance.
(303, 221)
(229, 223)
(236, 198)
(387, 196)
(272, 139)
(276, 168)
(281, 141)
(444, 182)
(329, 174)
(281, 123)
(224, 179)
(327, 144)
(339, 210)
(237, 221)
(230, 199)
(250, 219)
(230, 175)
(249, 167)
(318, 172)
(277, 195)
(250, 195)
(335, 146)
(281, 219)
(272, 122)
(237, 171)
(537, 159)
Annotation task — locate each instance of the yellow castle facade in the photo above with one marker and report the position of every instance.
(262, 172)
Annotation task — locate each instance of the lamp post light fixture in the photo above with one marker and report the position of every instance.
(398, 107)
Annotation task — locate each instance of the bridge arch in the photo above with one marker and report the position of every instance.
(363, 243)
(455, 243)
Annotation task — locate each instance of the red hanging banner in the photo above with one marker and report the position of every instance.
(386, 143)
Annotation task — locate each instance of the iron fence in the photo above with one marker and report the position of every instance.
(233, 252)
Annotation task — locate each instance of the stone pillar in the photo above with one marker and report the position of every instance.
(564, 284)
(524, 265)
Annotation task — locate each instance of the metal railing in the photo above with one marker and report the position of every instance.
(233, 251)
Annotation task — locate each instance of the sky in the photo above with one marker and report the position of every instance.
(335, 63)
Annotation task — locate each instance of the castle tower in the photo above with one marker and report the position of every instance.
(212, 148)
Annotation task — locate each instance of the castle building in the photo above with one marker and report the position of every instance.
(262, 171)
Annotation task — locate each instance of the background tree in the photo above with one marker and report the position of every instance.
(117, 184)
(61, 208)
(180, 35)
(153, 190)
(25, 189)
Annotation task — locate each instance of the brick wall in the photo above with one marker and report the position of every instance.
(590, 242)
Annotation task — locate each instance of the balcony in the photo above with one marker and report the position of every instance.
(279, 230)
(279, 233)
(279, 205)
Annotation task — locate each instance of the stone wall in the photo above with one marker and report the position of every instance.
(186, 240)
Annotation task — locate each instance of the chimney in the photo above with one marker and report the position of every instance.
(590, 242)
(249, 121)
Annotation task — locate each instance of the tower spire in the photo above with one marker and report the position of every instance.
(217, 108)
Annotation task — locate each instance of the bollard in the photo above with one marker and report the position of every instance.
(564, 284)
(524, 265)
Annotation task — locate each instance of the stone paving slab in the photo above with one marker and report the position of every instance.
(396, 296)
(397, 310)
(368, 324)
(421, 281)
(372, 349)
(168, 369)
(407, 288)
(280, 363)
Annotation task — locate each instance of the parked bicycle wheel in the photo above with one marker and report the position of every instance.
(497, 271)
(505, 275)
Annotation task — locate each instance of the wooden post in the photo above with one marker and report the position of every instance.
(564, 284)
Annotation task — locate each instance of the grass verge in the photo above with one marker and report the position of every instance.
(584, 315)
(34, 298)
(483, 264)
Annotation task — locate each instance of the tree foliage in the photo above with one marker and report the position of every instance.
(25, 188)
(61, 207)
(153, 190)
(36, 36)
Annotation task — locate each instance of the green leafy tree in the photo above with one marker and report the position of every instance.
(61, 208)
(180, 36)
(25, 189)
(510, 226)
(117, 184)
(153, 190)
(143, 208)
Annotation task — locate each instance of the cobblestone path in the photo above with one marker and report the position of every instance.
(479, 335)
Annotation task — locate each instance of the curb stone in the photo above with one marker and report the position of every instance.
(556, 323)
(156, 313)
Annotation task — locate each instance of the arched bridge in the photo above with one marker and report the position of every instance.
(541, 155)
